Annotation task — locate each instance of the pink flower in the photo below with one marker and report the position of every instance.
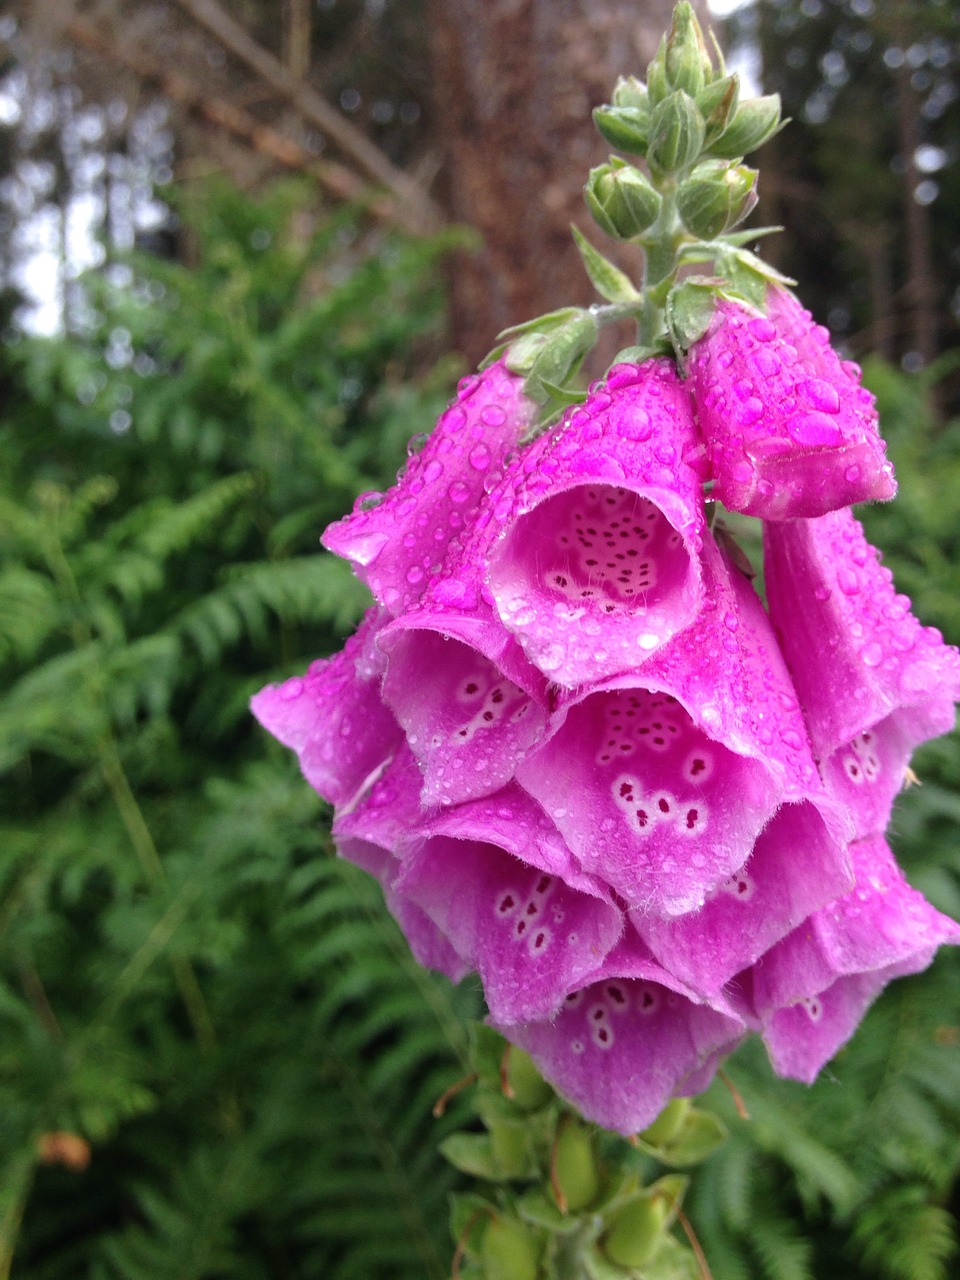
(662, 780)
(629, 1040)
(789, 428)
(594, 554)
(811, 990)
(334, 718)
(398, 542)
(872, 681)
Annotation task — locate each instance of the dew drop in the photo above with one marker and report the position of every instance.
(480, 457)
(872, 654)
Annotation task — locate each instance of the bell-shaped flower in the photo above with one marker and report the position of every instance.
(333, 717)
(496, 878)
(370, 833)
(872, 681)
(629, 1040)
(662, 780)
(811, 990)
(397, 541)
(596, 559)
(789, 427)
(471, 704)
(798, 864)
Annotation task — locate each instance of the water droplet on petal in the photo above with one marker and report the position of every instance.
(480, 457)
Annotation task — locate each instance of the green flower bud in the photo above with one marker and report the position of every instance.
(622, 200)
(524, 1084)
(657, 84)
(510, 1147)
(509, 1251)
(718, 102)
(636, 1232)
(715, 197)
(677, 131)
(574, 1177)
(688, 64)
(630, 92)
(754, 123)
(625, 128)
(668, 1123)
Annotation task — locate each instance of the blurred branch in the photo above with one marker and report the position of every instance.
(337, 179)
(316, 111)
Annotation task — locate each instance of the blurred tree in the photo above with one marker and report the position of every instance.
(866, 179)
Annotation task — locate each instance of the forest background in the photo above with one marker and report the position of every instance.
(302, 222)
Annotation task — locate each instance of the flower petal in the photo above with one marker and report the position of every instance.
(811, 989)
(627, 1041)
(872, 681)
(789, 427)
(397, 542)
(498, 881)
(798, 864)
(333, 717)
(662, 780)
(595, 562)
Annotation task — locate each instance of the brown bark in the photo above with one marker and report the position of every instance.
(515, 82)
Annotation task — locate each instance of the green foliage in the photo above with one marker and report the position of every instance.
(190, 983)
(854, 1177)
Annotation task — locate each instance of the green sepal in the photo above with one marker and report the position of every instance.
(707, 250)
(754, 122)
(687, 62)
(630, 92)
(562, 397)
(677, 131)
(469, 1214)
(539, 1210)
(750, 276)
(700, 1136)
(632, 1235)
(658, 86)
(523, 1084)
(472, 1153)
(509, 1250)
(668, 1123)
(508, 338)
(559, 355)
(626, 128)
(608, 280)
(597, 1267)
(718, 103)
(486, 1049)
(520, 1141)
(689, 310)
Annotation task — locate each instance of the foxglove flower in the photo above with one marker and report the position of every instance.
(661, 780)
(873, 682)
(483, 706)
(334, 718)
(370, 832)
(789, 427)
(596, 561)
(629, 1040)
(798, 864)
(811, 990)
(398, 542)
(497, 879)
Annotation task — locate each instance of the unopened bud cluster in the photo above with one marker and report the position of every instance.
(688, 122)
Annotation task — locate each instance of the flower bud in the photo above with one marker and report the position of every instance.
(716, 197)
(574, 1177)
(754, 123)
(630, 92)
(688, 64)
(509, 1251)
(657, 84)
(524, 1084)
(622, 200)
(636, 1232)
(625, 128)
(510, 1148)
(676, 133)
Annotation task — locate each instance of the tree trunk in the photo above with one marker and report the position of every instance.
(514, 85)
